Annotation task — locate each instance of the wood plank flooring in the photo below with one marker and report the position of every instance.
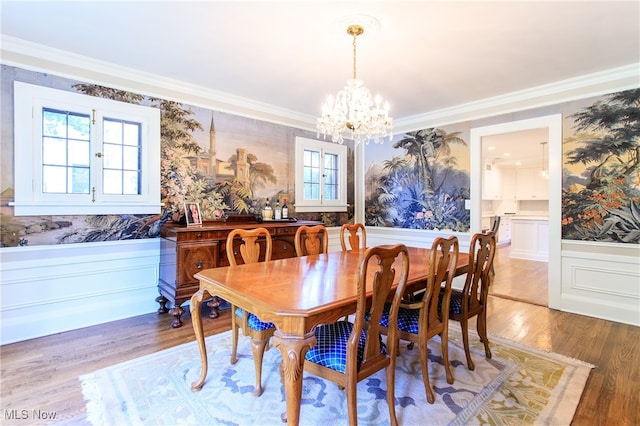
(42, 374)
(522, 280)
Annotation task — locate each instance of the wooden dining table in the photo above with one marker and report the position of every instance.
(296, 294)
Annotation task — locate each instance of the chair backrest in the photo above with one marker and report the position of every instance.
(353, 236)
(442, 266)
(311, 240)
(249, 247)
(496, 225)
(378, 268)
(482, 250)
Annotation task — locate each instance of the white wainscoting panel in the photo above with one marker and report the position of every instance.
(601, 280)
(51, 289)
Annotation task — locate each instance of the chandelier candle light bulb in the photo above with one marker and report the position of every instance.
(354, 111)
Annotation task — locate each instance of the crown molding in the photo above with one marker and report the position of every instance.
(37, 57)
(599, 83)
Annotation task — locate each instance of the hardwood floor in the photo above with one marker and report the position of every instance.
(518, 279)
(42, 374)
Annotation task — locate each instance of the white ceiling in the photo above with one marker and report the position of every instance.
(425, 55)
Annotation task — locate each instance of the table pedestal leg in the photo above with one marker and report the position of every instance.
(293, 349)
(196, 320)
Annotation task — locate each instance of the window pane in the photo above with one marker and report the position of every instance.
(311, 175)
(112, 182)
(112, 131)
(54, 180)
(79, 126)
(65, 143)
(130, 183)
(78, 180)
(130, 158)
(78, 153)
(132, 134)
(331, 176)
(112, 158)
(54, 123)
(54, 151)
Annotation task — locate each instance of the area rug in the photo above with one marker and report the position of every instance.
(518, 386)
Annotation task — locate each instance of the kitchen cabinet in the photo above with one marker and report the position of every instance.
(508, 182)
(504, 231)
(185, 251)
(531, 185)
(491, 183)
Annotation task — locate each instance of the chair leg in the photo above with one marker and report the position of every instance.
(234, 337)
(424, 362)
(482, 332)
(391, 391)
(464, 325)
(444, 337)
(352, 402)
(257, 349)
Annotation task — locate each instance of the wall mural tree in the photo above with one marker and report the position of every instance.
(603, 203)
(422, 189)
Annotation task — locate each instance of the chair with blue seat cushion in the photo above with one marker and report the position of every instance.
(345, 352)
(419, 319)
(252, 246)
(472, 299)
(353, 236)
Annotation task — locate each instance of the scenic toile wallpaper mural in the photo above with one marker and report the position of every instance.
(420, 185)
(420, 180)
(226, 163)
(601, 202)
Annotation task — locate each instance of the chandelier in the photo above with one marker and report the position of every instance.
(353, 111)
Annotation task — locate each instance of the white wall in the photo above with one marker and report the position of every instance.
(51, 289)
(601, 280)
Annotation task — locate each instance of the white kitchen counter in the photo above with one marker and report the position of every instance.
(530, 237)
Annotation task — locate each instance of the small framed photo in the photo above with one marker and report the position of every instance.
(192, 214)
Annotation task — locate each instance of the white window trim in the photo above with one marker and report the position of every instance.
(305, 206)
(30, 201)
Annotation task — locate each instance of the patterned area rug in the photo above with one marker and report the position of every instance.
(518, 386)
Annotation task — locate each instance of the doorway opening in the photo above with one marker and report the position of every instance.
(552, 127)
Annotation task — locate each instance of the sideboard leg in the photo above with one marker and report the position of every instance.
(214, 304)
(163, 304)
(177, 312)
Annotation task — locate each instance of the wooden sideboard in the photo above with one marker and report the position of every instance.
(185, 251)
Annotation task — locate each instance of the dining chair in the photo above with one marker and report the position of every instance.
(353, 236)
(248, 249)
(472, 299)
(347, 352)
(494, 229)
(311, 240)
(419, 318)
